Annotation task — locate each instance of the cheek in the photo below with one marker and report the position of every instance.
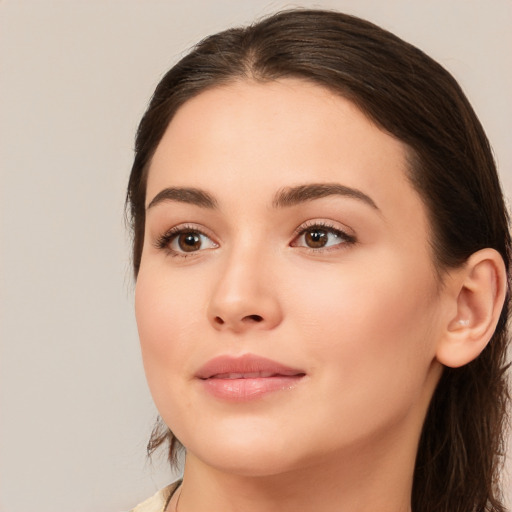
(370, 325)
(166, 307)
(371, 345)
(165, 321)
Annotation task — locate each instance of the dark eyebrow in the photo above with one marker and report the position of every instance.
(291, 196)
(184, 195)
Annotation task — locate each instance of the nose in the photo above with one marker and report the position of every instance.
(245, 297)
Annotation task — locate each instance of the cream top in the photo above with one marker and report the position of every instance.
(159, 501)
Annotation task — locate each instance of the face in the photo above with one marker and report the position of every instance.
(287, 303)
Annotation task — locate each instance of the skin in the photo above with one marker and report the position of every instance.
(362, 318)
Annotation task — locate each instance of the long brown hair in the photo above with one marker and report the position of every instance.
(412, 97)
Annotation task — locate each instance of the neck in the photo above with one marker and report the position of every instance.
(336, 483)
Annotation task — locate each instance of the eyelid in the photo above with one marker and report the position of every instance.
(326, 224)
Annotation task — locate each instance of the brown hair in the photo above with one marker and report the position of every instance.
(415, 99)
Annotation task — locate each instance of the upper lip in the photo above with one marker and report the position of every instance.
(246, 366)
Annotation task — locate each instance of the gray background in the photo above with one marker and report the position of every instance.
(75, 79)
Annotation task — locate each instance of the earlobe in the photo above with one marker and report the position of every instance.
(481, 287)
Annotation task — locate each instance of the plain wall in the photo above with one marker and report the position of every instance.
(75, 77)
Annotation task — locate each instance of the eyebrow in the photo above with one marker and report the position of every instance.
(291, 196)
(286, 197)
(188, 195)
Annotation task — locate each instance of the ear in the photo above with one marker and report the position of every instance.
(479, 288)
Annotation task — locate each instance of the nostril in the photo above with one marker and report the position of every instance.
(252, 318)
(248, 319)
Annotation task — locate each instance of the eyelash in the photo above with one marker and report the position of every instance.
(164, 241)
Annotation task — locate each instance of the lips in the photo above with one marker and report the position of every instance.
(247, 377)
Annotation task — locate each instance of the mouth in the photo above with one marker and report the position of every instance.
(251, 375)
(247, 377)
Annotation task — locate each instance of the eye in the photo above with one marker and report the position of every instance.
(181, 241)
(189, 241)
(320, 236)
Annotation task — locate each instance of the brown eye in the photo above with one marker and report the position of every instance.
(315, 238)
(183, 241)
(322, 237)
(189, 241)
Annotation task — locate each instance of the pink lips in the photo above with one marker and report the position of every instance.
(246, 377)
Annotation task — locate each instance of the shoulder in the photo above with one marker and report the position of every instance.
(157, 502)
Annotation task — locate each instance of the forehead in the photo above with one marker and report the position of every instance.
(247, 135)
(291, 117)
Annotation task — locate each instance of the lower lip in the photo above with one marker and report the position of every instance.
(240, 390)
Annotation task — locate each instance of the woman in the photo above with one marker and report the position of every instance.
(321, 251)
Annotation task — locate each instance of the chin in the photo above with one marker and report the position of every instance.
(251, 457)
(250, 463)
